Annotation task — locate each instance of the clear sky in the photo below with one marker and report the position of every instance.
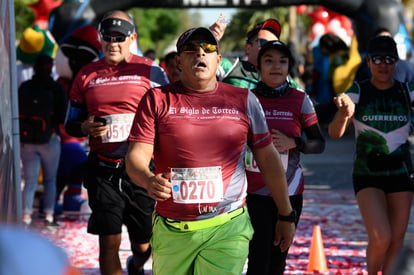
(210, 15)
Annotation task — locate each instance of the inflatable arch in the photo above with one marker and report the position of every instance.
(367, 15)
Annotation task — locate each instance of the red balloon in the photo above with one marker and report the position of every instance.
(301, 9)
(346, 23)
(42, 10)
(320, 14)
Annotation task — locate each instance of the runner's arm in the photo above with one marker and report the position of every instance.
(137, 162)
(273, 173)
(314, 142)
(343, 117)
(75, 115)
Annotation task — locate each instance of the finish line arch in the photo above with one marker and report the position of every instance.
(367, 15)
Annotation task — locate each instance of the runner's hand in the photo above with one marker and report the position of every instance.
(219, 27)
(281, 141)
(346, 107)
(284, 234)
(159, 187)
(94, 129)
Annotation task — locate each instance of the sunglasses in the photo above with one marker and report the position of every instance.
(260, 41)
(194, 46)
(378, 59)
(115, 38)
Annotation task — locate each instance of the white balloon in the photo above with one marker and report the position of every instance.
(334, 25)
(342, 33)
(318, 29)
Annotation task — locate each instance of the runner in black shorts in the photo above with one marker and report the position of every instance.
(388, 184)
(380, 110)
(103, 101)
(115, 200)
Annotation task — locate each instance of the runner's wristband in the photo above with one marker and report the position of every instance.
(289, 218)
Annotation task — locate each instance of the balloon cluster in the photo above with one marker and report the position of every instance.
(326, 21)
(35, 41)
(42, 9)
(73, 47)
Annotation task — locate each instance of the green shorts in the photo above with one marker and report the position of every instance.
(220, 249)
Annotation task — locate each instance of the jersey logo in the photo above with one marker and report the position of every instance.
(116, 22)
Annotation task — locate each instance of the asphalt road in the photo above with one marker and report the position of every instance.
(331, 170)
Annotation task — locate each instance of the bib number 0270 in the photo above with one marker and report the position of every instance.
(197, 185)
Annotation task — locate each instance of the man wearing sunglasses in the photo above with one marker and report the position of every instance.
(103, 101)
(198, 130)
(244, 74)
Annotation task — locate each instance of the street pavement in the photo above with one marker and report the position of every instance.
(329, 202)
(331, 170)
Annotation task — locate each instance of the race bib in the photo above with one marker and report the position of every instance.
(284, 157)
(251, 165)
(197, 185)
(119, 127)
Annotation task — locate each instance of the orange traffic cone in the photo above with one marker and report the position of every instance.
(317, 260)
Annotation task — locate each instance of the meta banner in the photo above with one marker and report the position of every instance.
(256, 4)
(232, 3)
(367, 15)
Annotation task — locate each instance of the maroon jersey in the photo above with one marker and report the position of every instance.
(113, 92)
(202, 139)
(289, 113)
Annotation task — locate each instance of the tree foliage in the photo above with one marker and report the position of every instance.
(158, 28)
(245, 19)
(24, 16)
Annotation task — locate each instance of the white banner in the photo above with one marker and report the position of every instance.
(10, 193)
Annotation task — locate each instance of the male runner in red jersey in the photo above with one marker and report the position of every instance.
(103, 102)
(198, 130)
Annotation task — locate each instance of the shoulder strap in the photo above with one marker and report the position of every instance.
(232, 68)
(237, 72)
(357, 85)
(406, 92)
(404, 87)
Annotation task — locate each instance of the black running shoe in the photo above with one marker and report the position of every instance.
(132, 270)
(51, 224)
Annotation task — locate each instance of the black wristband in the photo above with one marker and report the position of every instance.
(290, 218)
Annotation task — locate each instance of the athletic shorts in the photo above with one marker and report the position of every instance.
(115, 201)
(388, 184)
(219, 249)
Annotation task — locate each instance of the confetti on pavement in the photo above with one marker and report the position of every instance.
(336, 213)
